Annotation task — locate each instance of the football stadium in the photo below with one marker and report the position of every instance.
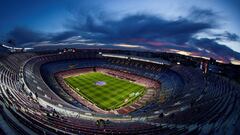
(92, 91)
(119, 67)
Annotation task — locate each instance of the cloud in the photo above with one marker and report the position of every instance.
(214, 48)
(62, 36)
(226, 36)
(230, 36)
(23, 35)
(137, 31)
(142, 26)
(95, 25)
(203, 15)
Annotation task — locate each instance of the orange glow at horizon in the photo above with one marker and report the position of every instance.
(235, 62)
(181, 52)
(128, 45)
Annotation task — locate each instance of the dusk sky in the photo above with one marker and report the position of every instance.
(208, 28)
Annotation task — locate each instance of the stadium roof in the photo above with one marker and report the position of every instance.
(150, 60)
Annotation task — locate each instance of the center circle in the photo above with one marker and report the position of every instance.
(100, 83)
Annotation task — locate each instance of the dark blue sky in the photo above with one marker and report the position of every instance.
(208, 28)
(46, 15)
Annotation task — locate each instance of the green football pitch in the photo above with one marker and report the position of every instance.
(106, 92)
